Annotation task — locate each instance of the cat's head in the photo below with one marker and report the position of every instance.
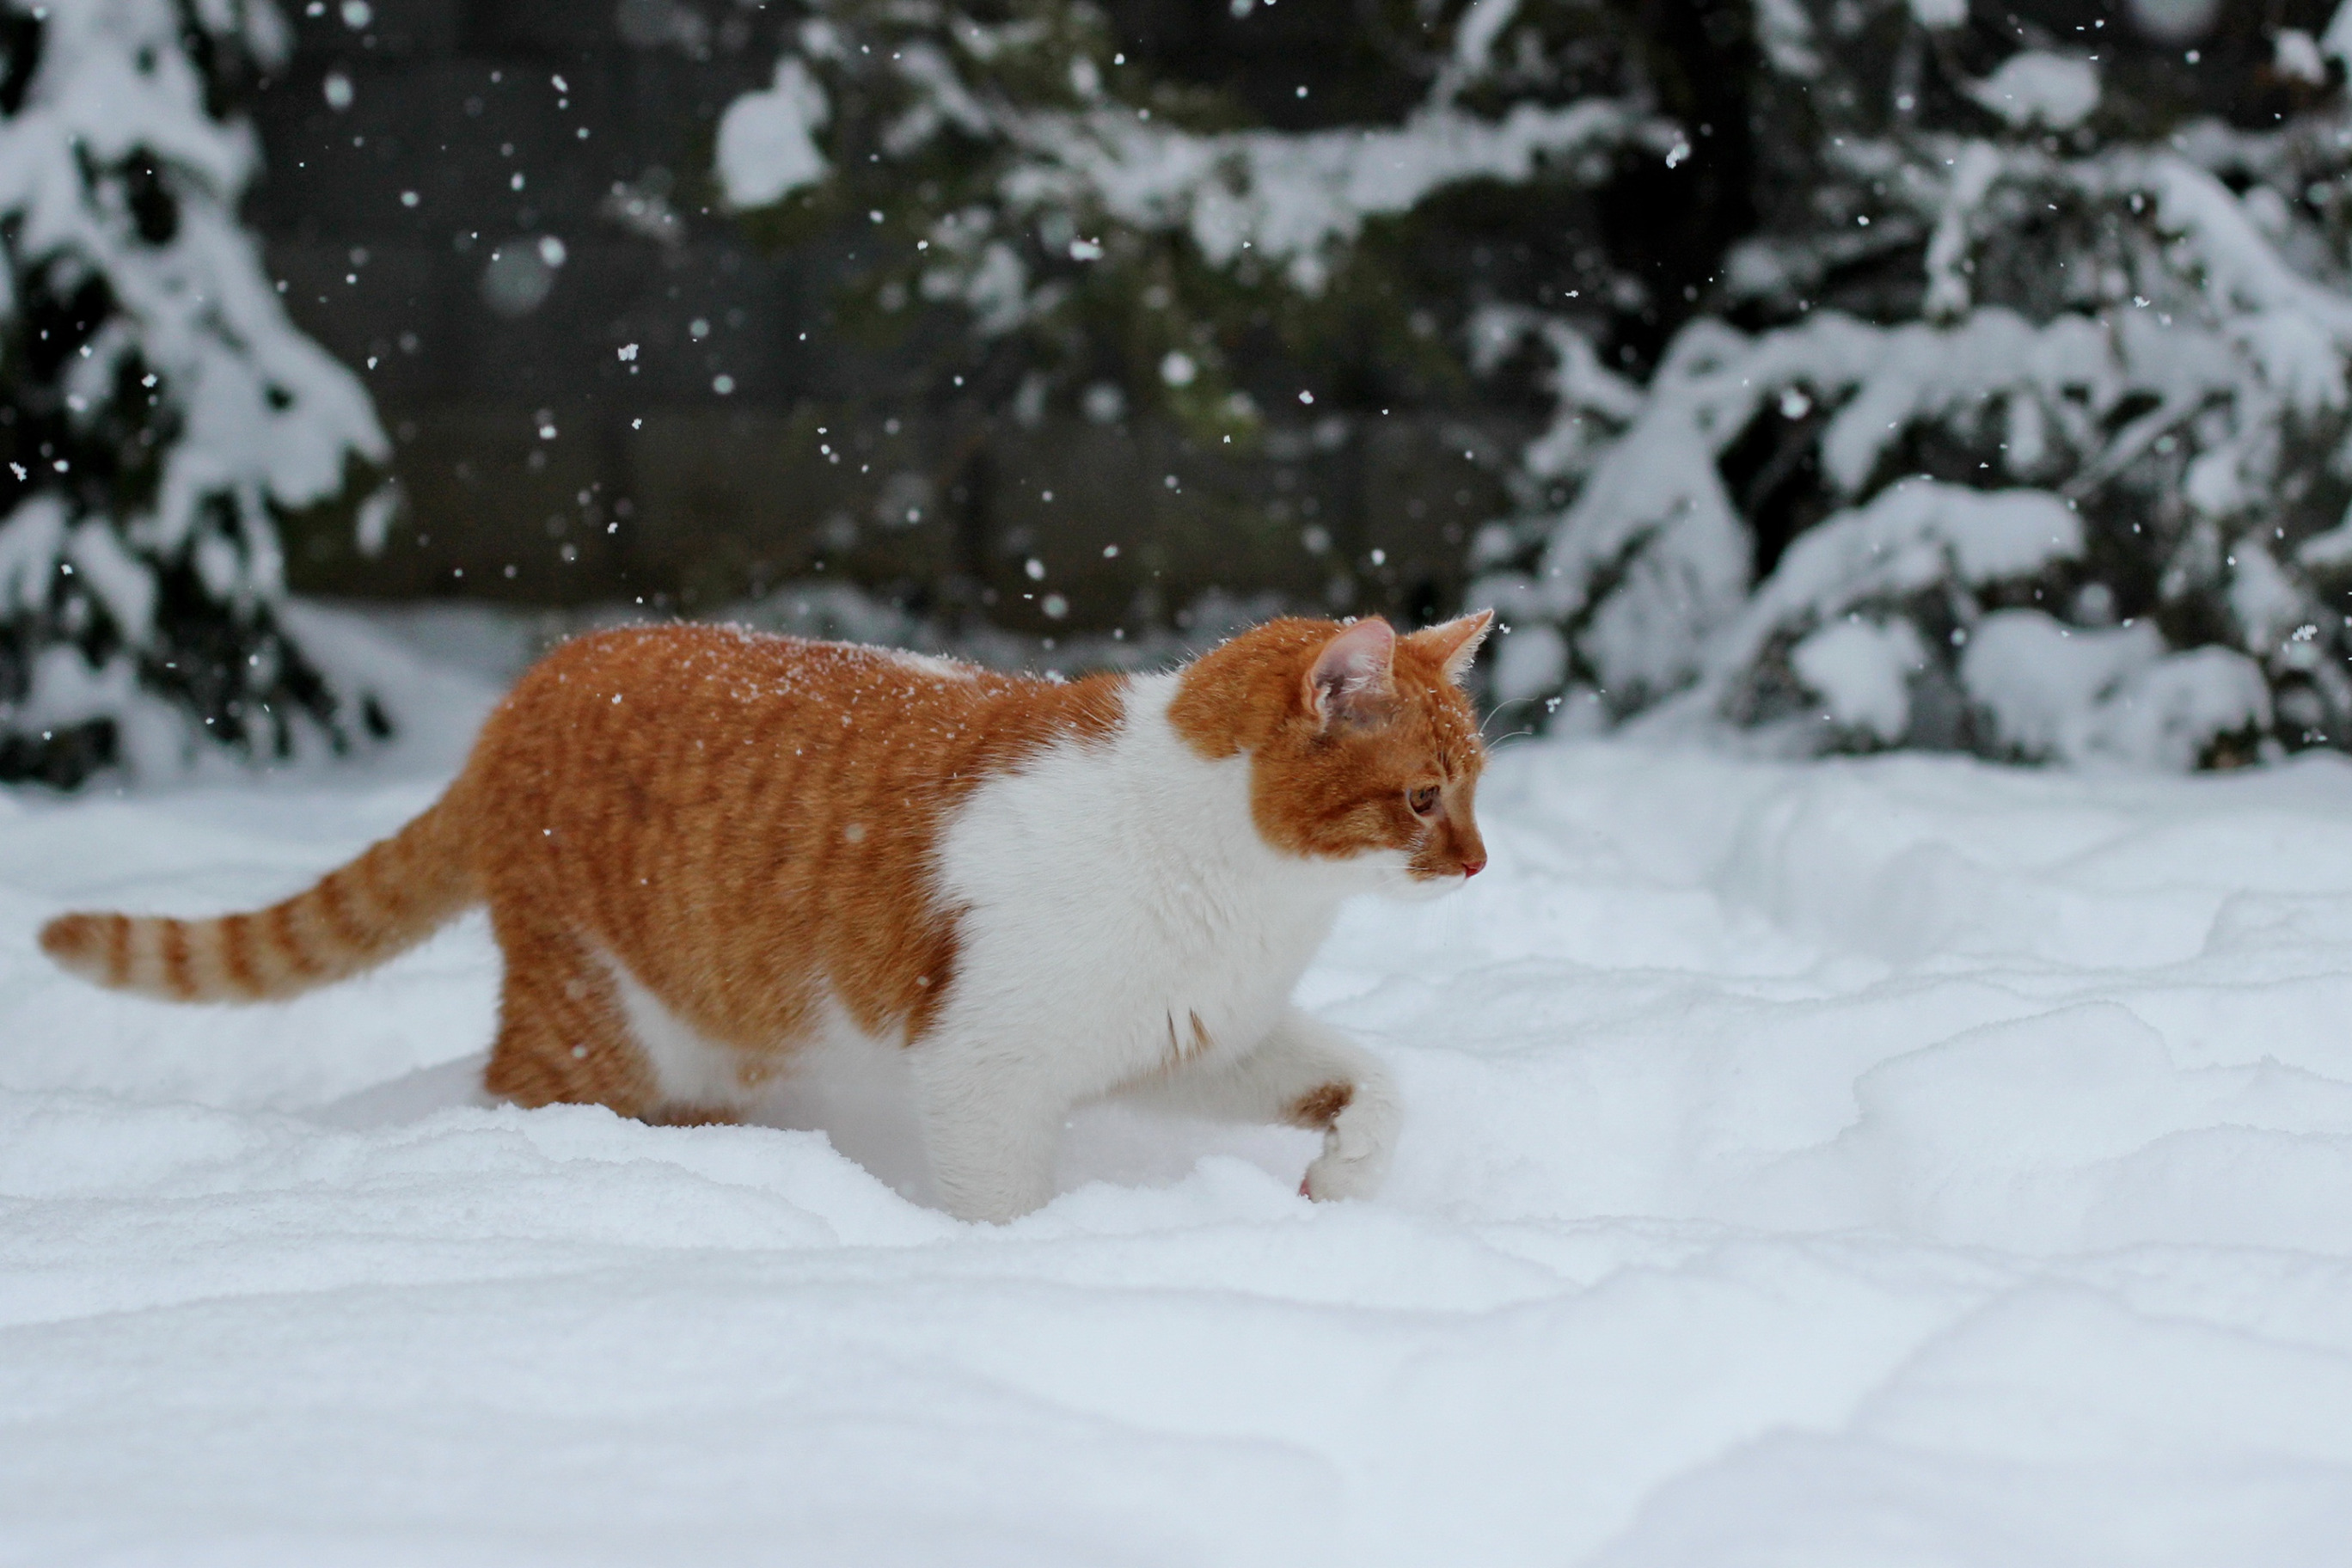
(1362, 744)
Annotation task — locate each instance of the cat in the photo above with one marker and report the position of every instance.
(705, 848)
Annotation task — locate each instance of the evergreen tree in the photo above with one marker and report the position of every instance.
(2020, 427)
(158, 411)
(1082, 221)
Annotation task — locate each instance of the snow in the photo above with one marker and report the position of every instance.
(2296, 57)
(1654, 529)
(2332, 549)
(2035, 86)
(1786, 33)
(2336, 41)
(1939, 14)
(270, 414)
(1891, 1160)
(2076, 695)
(1295, 198)
(2223, 337)
(1862, 669)
(1474, 39)
(767, 145)
(2040, 678)
(1290, 200)
(31, 539)
(2171, 710)
(1915, 532)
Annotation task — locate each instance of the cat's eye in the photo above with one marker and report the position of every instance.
(1423, 800)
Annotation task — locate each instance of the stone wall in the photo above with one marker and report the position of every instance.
(485, 204)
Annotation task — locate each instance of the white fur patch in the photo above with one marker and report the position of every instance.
(1122, 916)
(837, 1079)
(688, 1067)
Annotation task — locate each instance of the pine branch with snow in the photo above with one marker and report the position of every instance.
(1113, 240)
(2038, 447)
(158, 410)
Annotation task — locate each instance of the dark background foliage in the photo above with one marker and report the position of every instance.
(600, 385)
(717, 496)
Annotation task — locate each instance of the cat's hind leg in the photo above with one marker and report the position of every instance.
(1303, 1074)
(563, 1037)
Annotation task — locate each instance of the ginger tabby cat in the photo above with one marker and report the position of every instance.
(704, 850)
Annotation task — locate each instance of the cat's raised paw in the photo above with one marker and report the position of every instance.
(1356, 1147)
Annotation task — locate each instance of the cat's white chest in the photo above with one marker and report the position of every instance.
(1119, 909)
(1220, 963)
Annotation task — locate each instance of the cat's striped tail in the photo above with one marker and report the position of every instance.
(392, 898)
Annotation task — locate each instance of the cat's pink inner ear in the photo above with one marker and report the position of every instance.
(1354, 671)
(1455, 642)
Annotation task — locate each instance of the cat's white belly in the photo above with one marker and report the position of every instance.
(693, 1070)
(834, 1078)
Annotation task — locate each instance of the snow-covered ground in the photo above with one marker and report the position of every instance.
(1907, 1161)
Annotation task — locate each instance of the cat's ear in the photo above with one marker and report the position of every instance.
(1455, 642)
(1351, 679)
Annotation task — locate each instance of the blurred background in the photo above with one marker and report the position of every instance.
(1828, 374)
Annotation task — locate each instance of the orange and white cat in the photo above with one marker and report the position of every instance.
(707, 851)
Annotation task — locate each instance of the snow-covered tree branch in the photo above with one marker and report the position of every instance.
(2068, 479)
(158, 411)
(1132, 241)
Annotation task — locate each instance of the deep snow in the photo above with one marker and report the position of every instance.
(1884, 1163)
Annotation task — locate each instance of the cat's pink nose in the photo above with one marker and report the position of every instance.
(1472, 867)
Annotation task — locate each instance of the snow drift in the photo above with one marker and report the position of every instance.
(1869, 1161)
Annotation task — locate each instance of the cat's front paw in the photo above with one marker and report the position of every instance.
(1355, 1146)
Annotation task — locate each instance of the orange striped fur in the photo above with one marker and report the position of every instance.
(392, 897)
